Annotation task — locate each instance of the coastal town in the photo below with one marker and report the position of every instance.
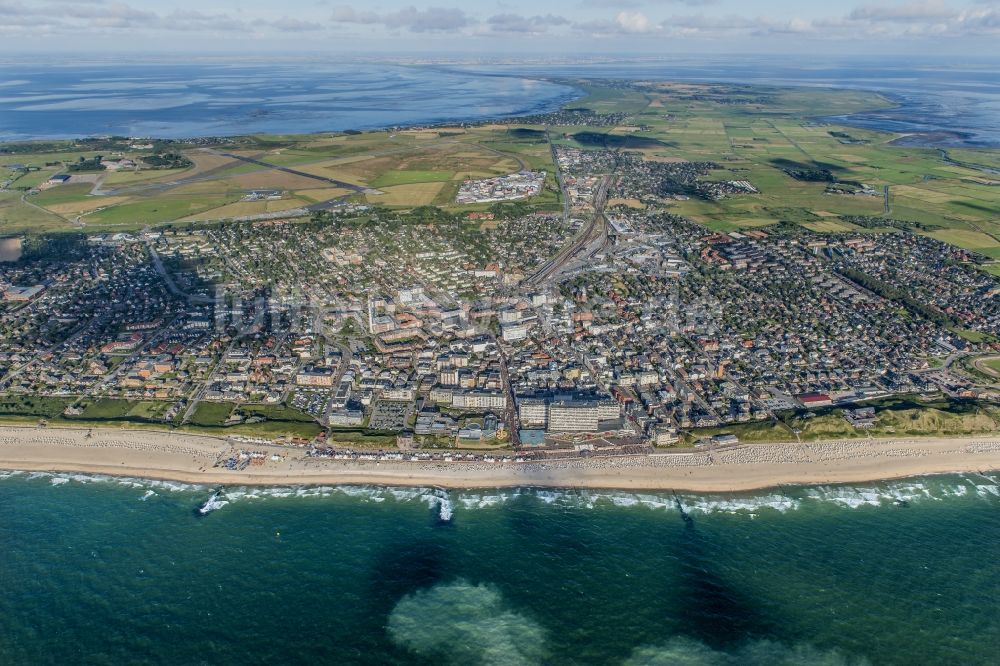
(583, 333)
(607, 328)
(589, 281)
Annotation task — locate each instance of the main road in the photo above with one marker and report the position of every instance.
(510, 412)
(193, 299)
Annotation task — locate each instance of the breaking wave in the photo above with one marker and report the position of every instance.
(442, 501)
(788, 499)
(213, 503)
(436, 499)
(462, 623)
(444, 504)
(62, 478)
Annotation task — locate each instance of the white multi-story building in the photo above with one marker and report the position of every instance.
(532, 412)
(648, 377)
(398, 393)
(509, 316)
(479, 400)
(579, 416)
(439, 394)
(514, 332)
(565, 414)
(317, 377)
(348, 417)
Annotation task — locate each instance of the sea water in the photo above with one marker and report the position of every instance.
(958, 99)
(221, 97)
(171, 100)
(106, 571)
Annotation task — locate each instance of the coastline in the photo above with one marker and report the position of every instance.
(746, 467)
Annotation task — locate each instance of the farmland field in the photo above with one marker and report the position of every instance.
(415, 194)
(406, 177)
(758, 134)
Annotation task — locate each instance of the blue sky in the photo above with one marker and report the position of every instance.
(504, 27)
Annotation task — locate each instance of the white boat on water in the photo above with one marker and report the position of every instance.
(216, 501)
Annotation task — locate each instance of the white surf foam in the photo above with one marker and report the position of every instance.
(215, 502)
(442, 501)
(881, 494)
(901, 492)
(750, 504)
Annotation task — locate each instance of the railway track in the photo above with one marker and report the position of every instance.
(596, 229)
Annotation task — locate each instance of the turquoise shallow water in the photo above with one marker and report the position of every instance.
(105, 571)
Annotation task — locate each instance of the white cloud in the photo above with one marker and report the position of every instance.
(98, 16)
(634, 22)
(351, 15)
(286, 24)
(432, 19)
(198, 22)
(934, 23)
(908, 12)
(116, 14)
(625, 23)
(980, 21)
(618, 4)
(932, 18)
(524, 25)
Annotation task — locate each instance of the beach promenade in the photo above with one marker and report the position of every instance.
(195, 459)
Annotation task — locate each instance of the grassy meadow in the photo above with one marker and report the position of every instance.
(753, 133)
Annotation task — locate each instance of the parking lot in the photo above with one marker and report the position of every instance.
(389, 415)
(312, 401)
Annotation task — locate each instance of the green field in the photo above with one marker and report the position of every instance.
(406, 177)
(361, 437)
(18, 217)
(208, 418)
(34, 407)
(897, 416)
(107, 412)
(125, 410)
(269, 429)
(142, 213)
(277, 413)
(751, 132)
(279, 420)
(211, 414)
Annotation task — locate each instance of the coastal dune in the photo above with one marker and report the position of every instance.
(192, 459)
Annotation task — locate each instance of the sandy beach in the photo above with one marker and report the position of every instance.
(192, 459)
